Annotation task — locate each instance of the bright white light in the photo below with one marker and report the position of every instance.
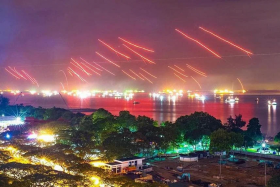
(263, 144)
(8, 136)
(32, 136)
(58, 168)
(46, 138)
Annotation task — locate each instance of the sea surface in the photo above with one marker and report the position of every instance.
(169, 109)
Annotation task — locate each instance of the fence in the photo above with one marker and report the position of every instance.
(257, 154)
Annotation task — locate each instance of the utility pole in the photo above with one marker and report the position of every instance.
(220, 164)
(265, 174)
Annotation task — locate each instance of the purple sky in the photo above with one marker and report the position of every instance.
(40, 36)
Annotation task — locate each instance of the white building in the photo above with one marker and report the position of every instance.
(125, 165)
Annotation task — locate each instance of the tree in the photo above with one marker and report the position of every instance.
(277, 138)
(144, 121)
(275, 148)
(126, 120)
(253, 131)
(220, 140)
(119, 145)
(4, 102)
(237, 139)
(53, 113)
(274, 181)
(193, 137)
(101, 113)
(236, 124)
(205, 142)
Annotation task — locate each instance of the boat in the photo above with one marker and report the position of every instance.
(230, 100)
(272, 103)
(135, 102)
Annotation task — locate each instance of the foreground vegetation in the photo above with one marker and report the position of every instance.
(101, 135)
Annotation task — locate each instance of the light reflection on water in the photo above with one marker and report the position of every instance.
(169, 109)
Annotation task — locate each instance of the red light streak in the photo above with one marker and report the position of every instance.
(70, 72)
(179, 77)
(90, 64)
(128, 75)
(19, 73)
(148, 73)
(196, 71)
(64, 76)
(29, 77)
(146, 78)
(196, 82)
(139, 55)
(179, 68)
(62, 86)
(136, 74)
(80, 67)
(178, 71)
(82, 79)
(198, 43)
(12, 73)
(248, 52)
(240, 83)
(135, 45)
(90, 69)
(104, 68)
(107, 59)
(32, 79)
(127, 57)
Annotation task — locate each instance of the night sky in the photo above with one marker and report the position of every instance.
(41, 37)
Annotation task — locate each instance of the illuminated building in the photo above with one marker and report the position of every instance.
(124, 165)
(6, 121)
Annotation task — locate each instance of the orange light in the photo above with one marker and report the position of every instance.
(146, 78)
(19, 73)
(127, 57)
(198, 43)
(82, 79)
(196, 70)
(128, 75)
(139, 55)
(90, 68)
(248, 52)
(178, 71)
(179, 68)
(135, 45)
(179, 77)
(241, 84)
(90, 64)
(196, 82)
(104, 68)
(107, 59)
(12, 73)
(79, 66)
(148, 73)
(136, 74)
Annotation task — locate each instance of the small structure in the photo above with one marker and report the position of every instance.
(220, 153)
(125, 165)
(202, 154)
(192, 157)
